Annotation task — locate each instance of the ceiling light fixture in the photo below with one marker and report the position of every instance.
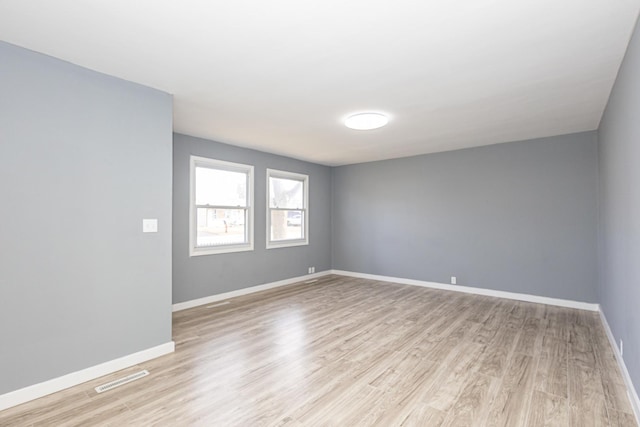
(366, 121)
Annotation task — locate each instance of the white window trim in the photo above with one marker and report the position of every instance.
(305, 180)
(218, 164)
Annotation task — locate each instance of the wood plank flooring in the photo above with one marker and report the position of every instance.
(347, 352)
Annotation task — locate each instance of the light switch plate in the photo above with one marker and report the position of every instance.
(150, 225)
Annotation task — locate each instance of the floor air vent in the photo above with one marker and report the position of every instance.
(117, 383)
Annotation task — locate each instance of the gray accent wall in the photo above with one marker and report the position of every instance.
(84, 157)
(206, 275)
(518, 217)
(619, 165)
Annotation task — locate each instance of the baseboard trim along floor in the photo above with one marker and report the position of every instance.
(631, 390)
(477, 291)
(36, 391)
(435, 285)
(245, 291)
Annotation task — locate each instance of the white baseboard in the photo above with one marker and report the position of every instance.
(631, 390)
(457, 288)
(476, 291)
(35, 391)
(245, 291)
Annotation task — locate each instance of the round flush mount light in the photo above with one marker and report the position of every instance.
(366, 121)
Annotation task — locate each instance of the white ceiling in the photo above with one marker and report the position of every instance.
(281, 75)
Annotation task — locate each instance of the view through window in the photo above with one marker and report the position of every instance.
(221, 206)
(287, 215)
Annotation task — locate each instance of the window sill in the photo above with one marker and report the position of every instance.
(287, 244)
(215, 251)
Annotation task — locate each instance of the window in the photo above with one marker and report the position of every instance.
(221, 209)
(287, 209)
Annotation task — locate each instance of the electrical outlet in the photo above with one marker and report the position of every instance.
(621, 348)
(150, 225)
(312, 270)
(454, 280)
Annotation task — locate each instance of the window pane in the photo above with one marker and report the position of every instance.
(285, 193)
(287, 225)
(220, 187)
(221, 227)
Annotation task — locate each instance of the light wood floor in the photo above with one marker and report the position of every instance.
(349, 352)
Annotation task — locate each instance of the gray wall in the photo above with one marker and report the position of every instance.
(619, 164)
(200, 276)
(518, 217)
(83, 158)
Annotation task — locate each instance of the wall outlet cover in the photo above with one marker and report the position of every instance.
(150, 225)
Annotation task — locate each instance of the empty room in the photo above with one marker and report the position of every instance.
(295, 213)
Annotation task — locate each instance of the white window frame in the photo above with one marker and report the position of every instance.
(197, 161)
(273, 173)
